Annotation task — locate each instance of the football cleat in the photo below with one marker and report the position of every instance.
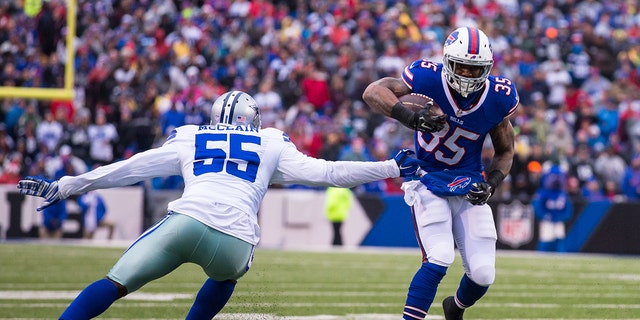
(451, 310)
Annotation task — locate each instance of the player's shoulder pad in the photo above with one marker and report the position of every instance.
(275, 134)
(505, 93)
(423, 65)
(424, 70)
(181, 131)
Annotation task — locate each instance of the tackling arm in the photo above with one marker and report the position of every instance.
(159, 162)
(297, 168)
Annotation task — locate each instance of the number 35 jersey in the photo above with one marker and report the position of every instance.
(469, 119)
(227, 171)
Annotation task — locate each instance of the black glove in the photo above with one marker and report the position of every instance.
(480, 193)
(426, 122)
(422, 120)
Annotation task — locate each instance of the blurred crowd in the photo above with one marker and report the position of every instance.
(144, 67)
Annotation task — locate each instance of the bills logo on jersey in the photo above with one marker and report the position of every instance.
(458, 182)
(285, 137)
(451, 38)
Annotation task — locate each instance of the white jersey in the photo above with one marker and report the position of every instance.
(227, 171)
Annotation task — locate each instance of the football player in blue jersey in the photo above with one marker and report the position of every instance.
(449, 202)
(227, 167)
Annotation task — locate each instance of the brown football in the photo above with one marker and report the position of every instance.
(416, 101)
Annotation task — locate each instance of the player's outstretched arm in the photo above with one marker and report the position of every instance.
(298, 168)
(157, 162)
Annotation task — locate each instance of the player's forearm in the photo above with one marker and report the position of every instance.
(503, 138)
(347, 174)
(342, 174)
(381, 96)
(142, 166)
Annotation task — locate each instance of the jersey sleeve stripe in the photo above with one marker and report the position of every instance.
(407, 77)
(513, 109)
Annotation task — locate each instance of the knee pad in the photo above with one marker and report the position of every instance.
(483, 276)
(441, 255)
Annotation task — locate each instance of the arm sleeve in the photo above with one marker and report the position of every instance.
(297, 168)
(152, 163)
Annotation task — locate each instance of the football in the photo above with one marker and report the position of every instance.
(416, 102)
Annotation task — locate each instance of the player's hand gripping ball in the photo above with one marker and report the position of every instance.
(429, 115)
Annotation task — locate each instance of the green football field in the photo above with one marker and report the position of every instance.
(37, 281)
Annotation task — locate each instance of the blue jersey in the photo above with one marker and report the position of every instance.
(459, 144)
(455, 151)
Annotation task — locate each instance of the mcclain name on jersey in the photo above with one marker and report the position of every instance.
(227, 127)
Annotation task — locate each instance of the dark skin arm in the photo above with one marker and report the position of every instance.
(503, 138)
(382, 94)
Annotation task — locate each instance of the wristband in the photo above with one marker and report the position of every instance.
(404, 115)
(495, 177)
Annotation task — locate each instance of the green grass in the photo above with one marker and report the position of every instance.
(38, 281)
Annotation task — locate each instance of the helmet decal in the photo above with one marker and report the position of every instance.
(451, 38)
(474, 41)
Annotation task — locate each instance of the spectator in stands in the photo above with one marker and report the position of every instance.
(65, 163)
(171, 119)
(103, 136)
(593, 191)
(77, 135)
(631, 181)
(49, 132)
(315, 85)
(11, 168)
(582, 165)
(610, 166)
(270, 103)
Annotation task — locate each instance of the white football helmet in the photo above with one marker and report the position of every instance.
(469, 46)
(236, 108)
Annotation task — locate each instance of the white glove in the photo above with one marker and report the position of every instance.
(40, 187)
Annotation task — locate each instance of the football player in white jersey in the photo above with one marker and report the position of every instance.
(227, 167)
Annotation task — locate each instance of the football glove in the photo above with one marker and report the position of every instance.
(407, 164)
(480, 193)
(40, 187)
(426, 122)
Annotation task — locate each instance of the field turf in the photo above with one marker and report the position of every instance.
(37, 281)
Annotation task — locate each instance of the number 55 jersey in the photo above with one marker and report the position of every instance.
(227, 170)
